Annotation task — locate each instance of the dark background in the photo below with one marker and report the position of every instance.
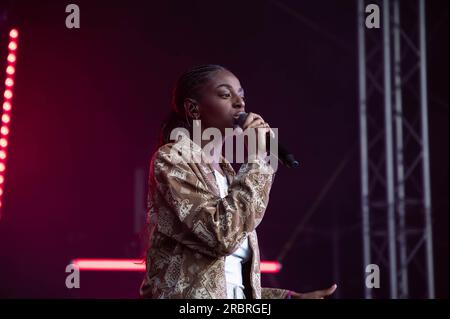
(87, 107)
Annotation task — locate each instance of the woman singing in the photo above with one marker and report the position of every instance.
(202, 215)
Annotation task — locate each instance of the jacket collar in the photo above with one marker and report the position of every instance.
(187, 145)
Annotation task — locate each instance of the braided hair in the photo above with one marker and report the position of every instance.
(188, 85)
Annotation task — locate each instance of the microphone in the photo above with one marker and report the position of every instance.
(284, 156)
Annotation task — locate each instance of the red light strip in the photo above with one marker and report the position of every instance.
(110, 264)
(7, 106)
(270, 267)
(139, 265)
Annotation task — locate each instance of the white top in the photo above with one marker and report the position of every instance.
(233, 262)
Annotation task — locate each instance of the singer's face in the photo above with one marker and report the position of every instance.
(222, 98)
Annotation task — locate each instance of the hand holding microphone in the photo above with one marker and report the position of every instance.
(255, 121)
(265, 136)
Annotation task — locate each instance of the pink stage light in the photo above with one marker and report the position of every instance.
(8, 94)
(110, 264)
(7, 106)
(13, 34)
(4, 131)
(9, 82)
(6, 118)
(139, 265)
(12, 46)
(270, 267)
(10, 70)
(11, 57)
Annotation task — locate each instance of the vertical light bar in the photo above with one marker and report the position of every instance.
(7, 107)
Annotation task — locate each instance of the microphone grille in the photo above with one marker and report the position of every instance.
(240, 119)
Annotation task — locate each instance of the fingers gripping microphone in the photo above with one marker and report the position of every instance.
(284, 156)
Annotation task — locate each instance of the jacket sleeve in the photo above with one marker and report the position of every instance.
(274, 293)
(210, 224)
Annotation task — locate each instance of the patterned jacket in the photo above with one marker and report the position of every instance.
(192, 229)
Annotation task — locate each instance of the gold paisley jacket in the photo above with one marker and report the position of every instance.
(192, 229)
